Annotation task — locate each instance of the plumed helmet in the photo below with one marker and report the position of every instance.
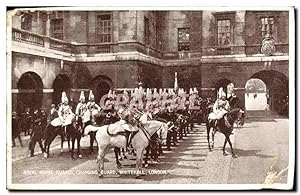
(91, 96)
(64, 97)
(221, 93)
(82, 97)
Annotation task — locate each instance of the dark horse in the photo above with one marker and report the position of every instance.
(73, 132)
(224, 126)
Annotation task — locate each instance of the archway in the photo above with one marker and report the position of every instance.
(30, 87)
(227, 86)
(100, 86)
(61, 83)
(256, 95)
(277, 85)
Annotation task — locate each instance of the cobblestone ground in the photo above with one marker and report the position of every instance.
(188, 163)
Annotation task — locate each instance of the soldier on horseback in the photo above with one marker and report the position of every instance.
(220, 108)
(129, 120)
(65, 113)
(81, 107)
(92, 107)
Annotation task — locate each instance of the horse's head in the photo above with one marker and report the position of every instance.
(236, 114)
(163, 132)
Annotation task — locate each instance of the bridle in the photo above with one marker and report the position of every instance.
(147, 134)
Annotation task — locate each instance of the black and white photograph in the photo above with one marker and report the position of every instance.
(179, 98)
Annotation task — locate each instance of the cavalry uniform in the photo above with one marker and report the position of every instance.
(92, 109)
(39, 124)
(81, 107)
(220, 108)
(65, 114)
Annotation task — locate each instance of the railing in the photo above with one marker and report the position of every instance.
(104, 48)
(27, 37)
(223, 50)
(60, 45)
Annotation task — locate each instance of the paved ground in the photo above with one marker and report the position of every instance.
(261, 143)
(262, 147)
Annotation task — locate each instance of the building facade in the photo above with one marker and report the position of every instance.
(52, 51)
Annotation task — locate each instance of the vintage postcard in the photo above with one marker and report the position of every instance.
(150, 98)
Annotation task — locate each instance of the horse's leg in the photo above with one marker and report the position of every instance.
(39, 140)
(20, 140)
(160, 151)
(139, 161)
(117, 150)
(180, 136)
(232, 152)
(146, 156)
(225, 142)
(100, 159)
(169, 136)
(78, 146)
(208, 132)
(124, 153)
(13, 142)
(72, 150)
(47, 144)
(174, 138)
(213, 136)
(62, 143)
(92, 138)
(68, 140)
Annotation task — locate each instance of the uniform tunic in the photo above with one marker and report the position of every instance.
(80, 110)
(220, 108)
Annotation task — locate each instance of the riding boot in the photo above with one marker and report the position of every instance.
(129, 140)
(216, 123)
(127, 134)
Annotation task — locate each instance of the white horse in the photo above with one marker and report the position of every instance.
(114, 136)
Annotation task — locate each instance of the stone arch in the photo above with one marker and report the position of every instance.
(222, 83)
(256, 97)
(61, 83)
(100, 85)
(30, 86)
(277, 86)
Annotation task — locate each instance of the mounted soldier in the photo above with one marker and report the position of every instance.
(129, 123)
(81, 107)
(220, 108)
(92, 107)
(65, 114)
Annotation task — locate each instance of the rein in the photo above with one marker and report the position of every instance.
(146, 133)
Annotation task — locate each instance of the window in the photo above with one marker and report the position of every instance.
(267, 26)
(183, 39)
(26, 21)
(57, 28)
(146, 31)
(224, 32)
(104, 28)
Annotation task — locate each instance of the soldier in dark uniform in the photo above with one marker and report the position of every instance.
(53, 112)
(26, 121)
(233, 101)
(39, 124)
(172, 134)
(16, 130)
